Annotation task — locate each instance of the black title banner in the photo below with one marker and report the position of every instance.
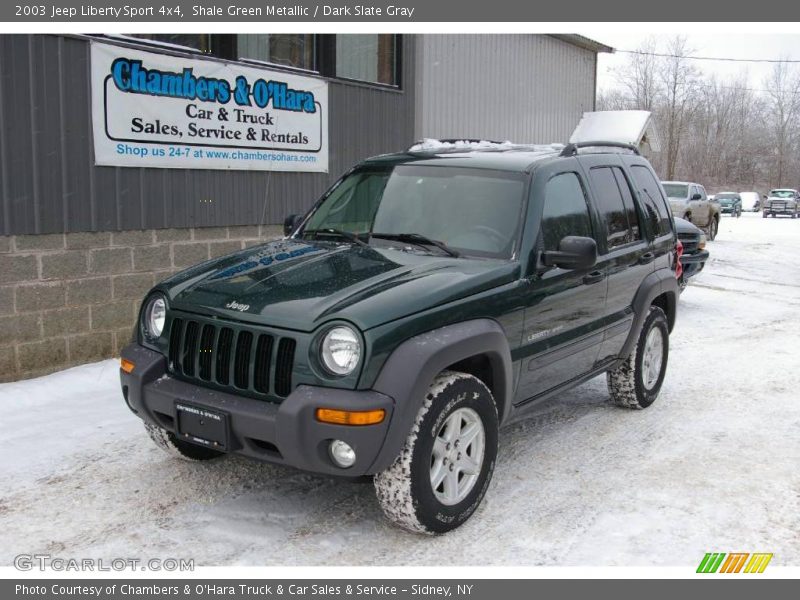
(400, 11)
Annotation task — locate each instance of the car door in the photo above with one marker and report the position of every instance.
(624, 252)
(701, 207)
(562, 330)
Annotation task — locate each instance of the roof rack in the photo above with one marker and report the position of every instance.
(571, 149)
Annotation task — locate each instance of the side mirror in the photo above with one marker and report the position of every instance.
(764, 196)
(291, 223)
(574, 252)
(696, 196)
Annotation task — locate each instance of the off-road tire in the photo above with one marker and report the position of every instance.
(176, 448)
(626, 382)
(405, 491)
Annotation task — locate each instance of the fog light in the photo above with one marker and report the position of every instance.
(342, 454)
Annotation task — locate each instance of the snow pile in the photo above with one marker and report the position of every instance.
(434, 145)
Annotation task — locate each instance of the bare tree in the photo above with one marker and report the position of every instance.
(783, 101)
(678, 78)
(639, 77)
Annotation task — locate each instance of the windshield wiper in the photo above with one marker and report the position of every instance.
(350, 237)
(418, 239)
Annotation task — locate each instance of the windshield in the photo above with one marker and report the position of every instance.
(471, 211)
(726, 197)
(676, 190)
(782, 193)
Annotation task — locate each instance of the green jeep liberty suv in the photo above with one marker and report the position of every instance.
(424, 301)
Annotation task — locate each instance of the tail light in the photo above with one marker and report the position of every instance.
(678, 265)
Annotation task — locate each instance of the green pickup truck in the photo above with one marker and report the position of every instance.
(427, 299)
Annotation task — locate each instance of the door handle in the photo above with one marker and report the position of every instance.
(647, 258)
(594, 277)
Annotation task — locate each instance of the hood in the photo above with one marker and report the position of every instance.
(299, 285)
(684, 227)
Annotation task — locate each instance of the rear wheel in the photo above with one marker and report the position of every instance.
(447, 462)
(170, 444)
(637, 381)
(712, 229)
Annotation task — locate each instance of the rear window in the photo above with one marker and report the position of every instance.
(614, 210)
(653, 201)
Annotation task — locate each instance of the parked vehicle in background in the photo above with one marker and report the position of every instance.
(694, 255)
(782, 201)
(689, 201)
(730, 203)
(751, 201)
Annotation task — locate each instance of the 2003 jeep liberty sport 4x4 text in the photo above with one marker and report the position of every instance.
(424, 301)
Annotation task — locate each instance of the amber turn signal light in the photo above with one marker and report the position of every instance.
(126, 365)
(350, 417)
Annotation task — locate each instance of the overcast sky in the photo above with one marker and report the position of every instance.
(733, 45)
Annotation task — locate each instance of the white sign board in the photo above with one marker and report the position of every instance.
(621, 126)
(157, 110)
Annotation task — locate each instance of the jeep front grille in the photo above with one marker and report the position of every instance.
(231, 356)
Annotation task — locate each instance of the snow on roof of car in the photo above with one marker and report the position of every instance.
(443, 146)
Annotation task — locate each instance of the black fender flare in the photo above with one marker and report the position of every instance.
(411, 368)
(654, 285)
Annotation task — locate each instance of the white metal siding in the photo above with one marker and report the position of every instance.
(524, 88)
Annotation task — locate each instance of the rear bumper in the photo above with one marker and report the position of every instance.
(286, 433)
(694, 263)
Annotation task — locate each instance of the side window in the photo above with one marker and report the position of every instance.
(652, 200)
(703, 194)
(609, 202)
(630, 205)
(565, 210)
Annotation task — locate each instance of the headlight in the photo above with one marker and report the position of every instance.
(341, 350)
(702, 243)
(154, 316)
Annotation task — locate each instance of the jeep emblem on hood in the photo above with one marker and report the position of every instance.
(233, 304)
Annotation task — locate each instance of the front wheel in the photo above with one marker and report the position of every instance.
(448, 459)
(637, 381)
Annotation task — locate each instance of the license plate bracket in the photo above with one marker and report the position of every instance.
(201, 425)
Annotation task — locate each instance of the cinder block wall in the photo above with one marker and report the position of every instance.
(68, 299)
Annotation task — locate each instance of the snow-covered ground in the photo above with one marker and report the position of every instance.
(713, 465)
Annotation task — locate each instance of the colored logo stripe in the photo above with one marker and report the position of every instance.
(714, 562)
(711, 562)
(758, 562)
(734, 562)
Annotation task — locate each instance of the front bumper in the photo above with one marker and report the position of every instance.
(286, 433)
(780, 210)
(693, 263)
